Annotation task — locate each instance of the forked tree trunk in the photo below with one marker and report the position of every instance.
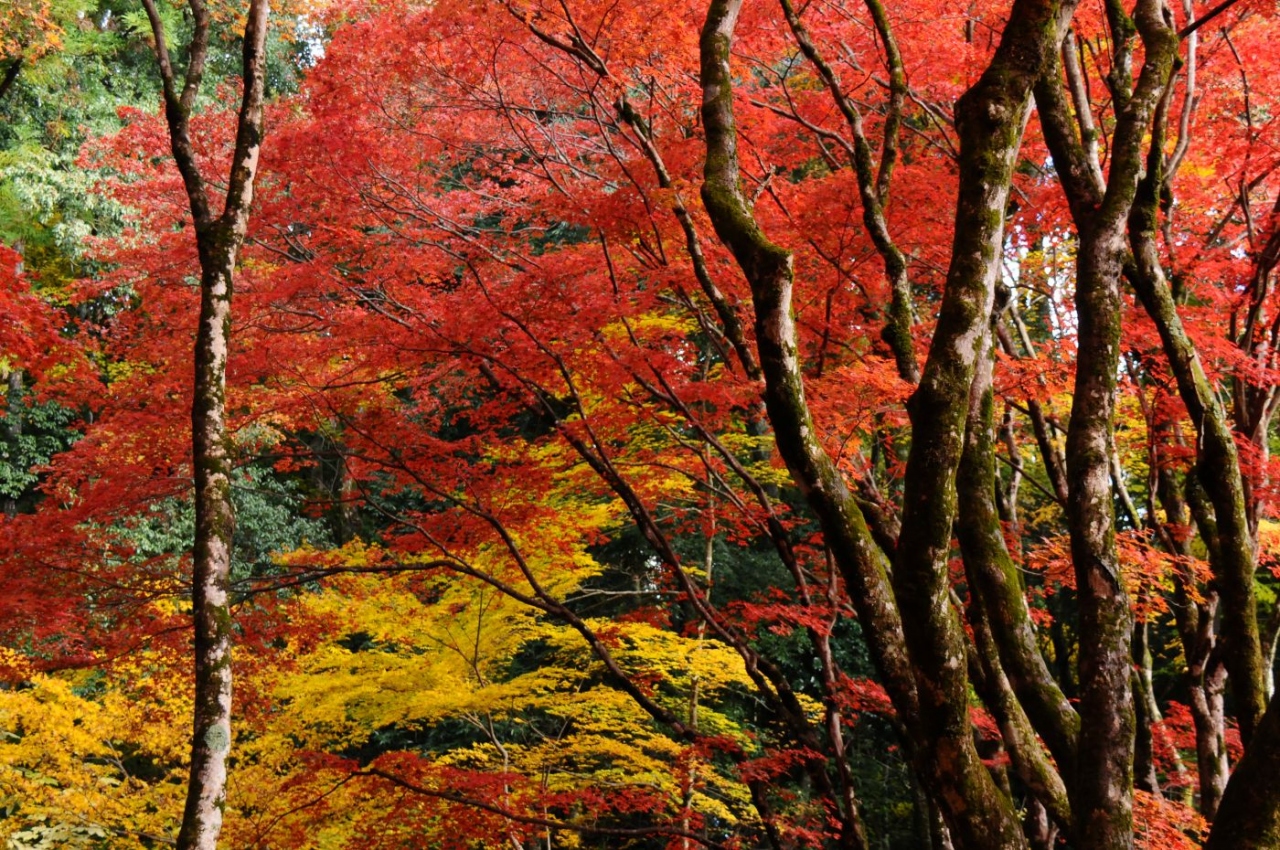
(218, 241)
(1102, 795)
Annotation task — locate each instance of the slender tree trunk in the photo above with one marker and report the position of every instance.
(994, 580)
(872, 183)
(10, 76)
(215, 524)
(1001, 623)
(1041, 833)
(1232, 556)
(1194, 615)
(218, 242)
(768, 269)
(1145, 776)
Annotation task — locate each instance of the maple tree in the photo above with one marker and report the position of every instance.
(645, 426)
(219, 238)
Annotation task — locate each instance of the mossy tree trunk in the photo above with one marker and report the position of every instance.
(928, 682)
(1102, 790)
(218, 241)
(1249, 814)
(1232, 556)
(768, 269)
(1015, 682)
(990, 118)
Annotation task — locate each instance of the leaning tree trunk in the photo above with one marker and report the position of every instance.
(218, 242)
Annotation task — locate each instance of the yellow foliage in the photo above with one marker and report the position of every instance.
(75, 765)
(436, 664)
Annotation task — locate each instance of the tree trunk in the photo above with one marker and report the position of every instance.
(990, 118)
(1231, 547)
(218, 242)
(1102, 794)
(768, 269)
(10, 76)
(14, 410)
(994, 580)
(1249, 815)
(1001, 624)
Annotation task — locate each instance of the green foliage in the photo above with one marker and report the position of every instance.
(49, 206)
(33, 433)
(46, 835)
(271, 518)
(69, 95)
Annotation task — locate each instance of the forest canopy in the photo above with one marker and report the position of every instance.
(604, 424)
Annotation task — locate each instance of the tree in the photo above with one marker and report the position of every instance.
(219, 239)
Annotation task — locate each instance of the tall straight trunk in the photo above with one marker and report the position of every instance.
(218, 242)
(1103, 802)
(211, 562)
(1103, 786)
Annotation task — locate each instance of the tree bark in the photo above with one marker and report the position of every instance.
(218, 241)
(1249, 815)
(991, 118)
(10, 76)
(995, 581)
(768, 269)
(1232, 556)
(1102, 795)
(1194, 613)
